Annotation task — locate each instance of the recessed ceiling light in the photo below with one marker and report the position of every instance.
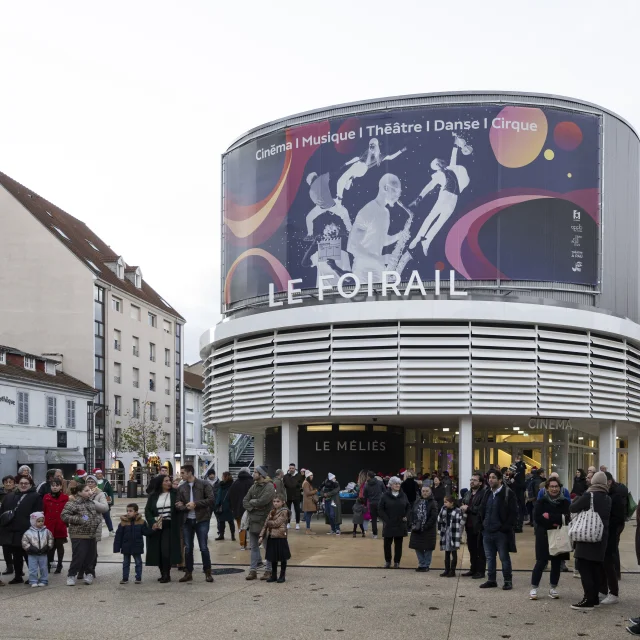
(445, 428)
(516, 428)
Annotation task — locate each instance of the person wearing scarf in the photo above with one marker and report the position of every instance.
(551, 512)
(423, 528)
(591, 554)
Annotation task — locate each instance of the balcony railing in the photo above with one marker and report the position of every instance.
(117, 346)
(136, 351)
(136, 384)
(167, 420)
(116, 379)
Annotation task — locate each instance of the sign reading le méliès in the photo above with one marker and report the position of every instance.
(550, 423)
(351, 445)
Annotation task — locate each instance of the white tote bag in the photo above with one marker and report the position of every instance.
(586, 526)
(559, 541)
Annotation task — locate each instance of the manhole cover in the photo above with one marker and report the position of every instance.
(223, 572)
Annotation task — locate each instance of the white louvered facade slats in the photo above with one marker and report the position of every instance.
(416, 368)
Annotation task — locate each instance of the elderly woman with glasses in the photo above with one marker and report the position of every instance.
(15, 514)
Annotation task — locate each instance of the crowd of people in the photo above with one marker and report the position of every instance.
(36, 523)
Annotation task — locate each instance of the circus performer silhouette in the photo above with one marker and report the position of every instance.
(452, 179)
(320, 195)
(359, 165)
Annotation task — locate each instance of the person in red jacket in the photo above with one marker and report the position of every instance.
(53, 504)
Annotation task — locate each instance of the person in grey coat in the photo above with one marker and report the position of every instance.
(358, 516)
(591, 554)
(258, 503)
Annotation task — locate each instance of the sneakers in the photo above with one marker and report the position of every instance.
(610, 599)
(489, 584)
(507, 586)
(387, 565)
(124, 582)
(553, 593)
(582, 606)
(533, 594)
(112, 534)
(297, 529)
(34, 585)
(138, 581)
(634, 630)
(576, 573)
(634, 621)
(338, 532)
(329, 533)
(288, 525)
(375, 537)
(88, 579)
(43, 584)
(71, 581)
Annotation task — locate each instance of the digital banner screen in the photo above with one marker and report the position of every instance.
(489, 192)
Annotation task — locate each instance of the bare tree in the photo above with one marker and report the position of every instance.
(144, 435)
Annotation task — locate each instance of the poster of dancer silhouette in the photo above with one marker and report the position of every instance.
(491, 192)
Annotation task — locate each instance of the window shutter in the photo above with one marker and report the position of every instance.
(51, 411)
(71, 414)
(23, 407)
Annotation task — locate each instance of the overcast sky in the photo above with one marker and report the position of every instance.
(118, 111)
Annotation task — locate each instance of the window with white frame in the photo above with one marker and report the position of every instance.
(23, 407)
(138, 280)
(71, 414)
(152, 352)
(167, 386)
(117, 372)
(153, 320)
(167, 357)
(188, 400)
(120, 269)
(52, 411)
(50, 368)
(117, 405)
(167, 413)
(116, 304)
(152, 411)
(3, 357)
(166, 325)
(135, 312)
(117, 339)
(136, 346)
(136, 408)
(29, 363)
(189, 431)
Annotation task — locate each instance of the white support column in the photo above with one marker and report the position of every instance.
(289, 434)
(633, 462)
(608, 456)
(465, 451)
(258, 449)
(221, 451)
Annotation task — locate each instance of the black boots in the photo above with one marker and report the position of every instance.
(59, 567)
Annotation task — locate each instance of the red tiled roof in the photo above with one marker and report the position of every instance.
(10, 370)
(79, 235)
(193, 381)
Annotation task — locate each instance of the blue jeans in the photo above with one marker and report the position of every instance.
(190, 529)
(307, 518)
(35, 563)
(107, 520)
(126, 566)
(497, 542)
(424, 558)
(330, 510)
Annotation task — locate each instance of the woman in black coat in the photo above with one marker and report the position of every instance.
(24, 502)
(550, 513)
(591, 554)
(439, 492)
(579, 483)
(423, 528)
(394, 510)
(222, 507)
(237, 492)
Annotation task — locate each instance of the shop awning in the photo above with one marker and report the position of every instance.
(31, 456)
(62, 456)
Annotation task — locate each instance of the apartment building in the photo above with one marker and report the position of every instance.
(44, 415)
(68, 295)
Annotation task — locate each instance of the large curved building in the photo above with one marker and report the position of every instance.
(435, 281)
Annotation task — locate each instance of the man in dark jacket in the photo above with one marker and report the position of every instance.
(238, 491)
(195, 499)
(519, 470)
(471, 504)
(373, 490)
(619, 495)
(293, 486)
(498, 516)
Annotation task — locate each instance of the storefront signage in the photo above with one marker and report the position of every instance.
(353, 445)
(7, 400)
(550, 423)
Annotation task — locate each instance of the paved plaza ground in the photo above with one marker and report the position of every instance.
(334, 589)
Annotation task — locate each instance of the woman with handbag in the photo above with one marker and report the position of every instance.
(551, 513)
(590, 533)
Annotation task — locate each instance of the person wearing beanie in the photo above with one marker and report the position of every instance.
(591, 554)
(36, 542)
(238, 491)
(309, 500)
(330, 490)
(258, 503)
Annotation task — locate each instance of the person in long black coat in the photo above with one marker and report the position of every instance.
(25, 501)
(439, 492)
(394, 510)
(591, 554)
(222, 507)
(550, 513)
(579, 483)
(237, 492)
(424, 528)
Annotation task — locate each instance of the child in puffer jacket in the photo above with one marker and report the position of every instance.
(37, 541)
(130, 541)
